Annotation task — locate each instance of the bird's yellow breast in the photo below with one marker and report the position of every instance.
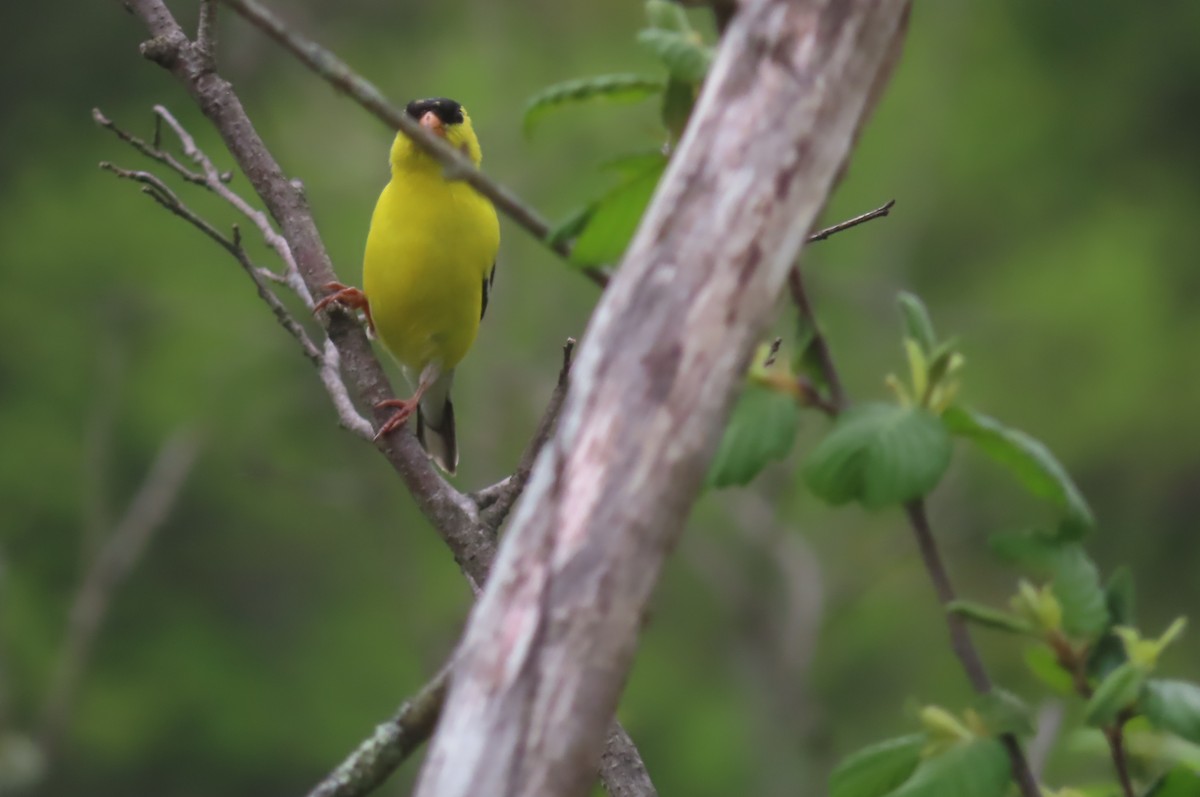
(431, 246)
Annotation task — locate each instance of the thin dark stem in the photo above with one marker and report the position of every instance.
(1116, 744)
(960, 639)
(878, 212)
(338, 74)
(837, 394)
(837, 400)
(152, 151)
(1075, 662)
(160, 193)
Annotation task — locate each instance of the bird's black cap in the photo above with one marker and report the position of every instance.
(449, 111)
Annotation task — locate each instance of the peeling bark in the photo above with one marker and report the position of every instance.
(551, 641)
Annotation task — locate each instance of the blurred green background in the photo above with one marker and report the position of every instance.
(1045, 164)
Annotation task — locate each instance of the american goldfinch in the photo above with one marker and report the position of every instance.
(427, 272)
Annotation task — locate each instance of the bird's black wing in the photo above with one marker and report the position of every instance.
(487, 291)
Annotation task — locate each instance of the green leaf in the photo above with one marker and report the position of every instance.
(667, 15)
(917, 323)
(762, 428)
(1003, 712)
(1076, 584)
(1028, 460)
(1116, 692)
(571, 226)
(988, 617)
(1109, 652)
(1143, 742)
(1173, 706)
(683, 54)
(1105, 656)
(1178, 782)
(634, 164)
(677, 102)
(1042, 662)
(977, 768)
(624, 88)
(879, 455)
(876, 770)
(1027, 548)
(1118, 596)
(615, 219)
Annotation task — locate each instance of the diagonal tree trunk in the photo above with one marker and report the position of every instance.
(550, 643)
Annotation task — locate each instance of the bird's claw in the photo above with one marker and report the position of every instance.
(346, 296)
(404, 410)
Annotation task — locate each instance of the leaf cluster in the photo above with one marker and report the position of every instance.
(599, 232)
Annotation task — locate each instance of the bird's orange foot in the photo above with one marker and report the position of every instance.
(346, 296)
(404, 410)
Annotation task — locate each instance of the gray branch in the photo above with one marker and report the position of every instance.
(453, 515)
(549, 645)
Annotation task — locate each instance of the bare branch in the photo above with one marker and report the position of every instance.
(149, 150)
(159, 192)
(549, 644)
(378, 756)
(338, 74)
(453, 515)
(622, 770)
(877, 213)
(496, 501)
(206, 31)
(216, 181)
(332, 378)
(120, 553)
(820, 346)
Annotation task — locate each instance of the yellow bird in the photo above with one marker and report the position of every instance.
(427, 272)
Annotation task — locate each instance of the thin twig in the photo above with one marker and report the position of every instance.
(1115, 735)
(115, 560)
(160, 193)
(449, 512)
(878, 212)
(331, 377)
(820, 346)
(393, 741)
(328, 361)
(338, 74)
(149, 150)
(837, 395)
(960, 638)
(206, 31)
(452, 515)
(216, 181)
(1074, 661)
(496, 502)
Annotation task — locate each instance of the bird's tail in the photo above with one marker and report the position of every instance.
(435, 424)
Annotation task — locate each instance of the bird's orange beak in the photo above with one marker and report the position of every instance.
(433, 124)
